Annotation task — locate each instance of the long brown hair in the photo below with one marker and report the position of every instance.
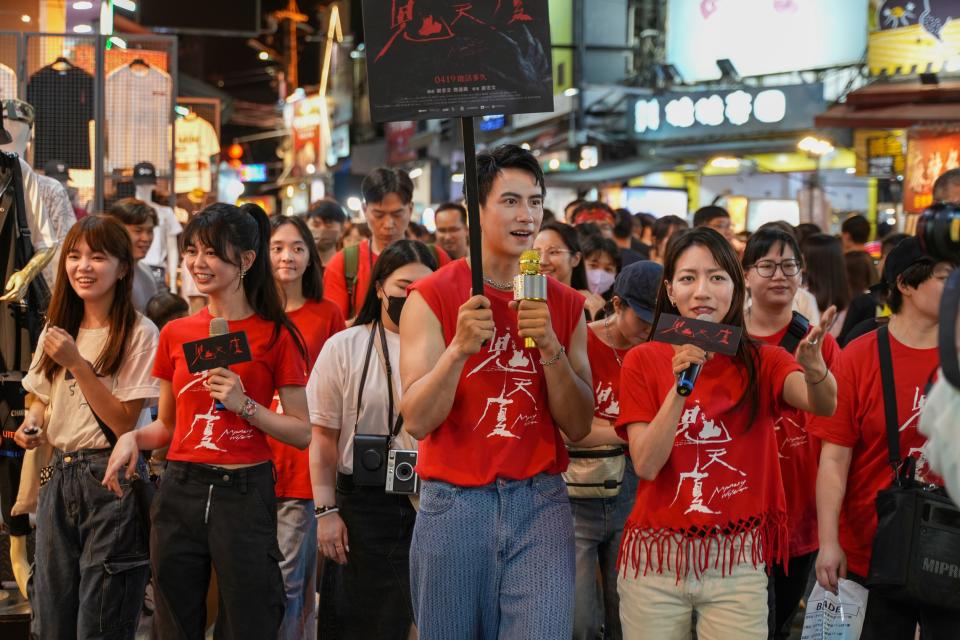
(311, 282)
(726, 258)
(104, 234)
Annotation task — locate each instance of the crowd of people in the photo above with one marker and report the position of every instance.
(564, 486)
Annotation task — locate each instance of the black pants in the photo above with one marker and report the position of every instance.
(226, 518)
(888, 619)
(371, 593)
(785, 591)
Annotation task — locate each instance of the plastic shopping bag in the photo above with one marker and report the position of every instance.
(835, 617)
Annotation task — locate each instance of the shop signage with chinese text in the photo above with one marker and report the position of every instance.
(742, 111)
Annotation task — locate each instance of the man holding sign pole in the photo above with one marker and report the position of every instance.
(493, 551)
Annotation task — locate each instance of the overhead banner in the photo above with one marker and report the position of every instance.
(929, 155)
(910, 37)
(745, 111)
(434, 59)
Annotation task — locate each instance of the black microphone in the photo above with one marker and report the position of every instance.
(219, 327)
(689, 375)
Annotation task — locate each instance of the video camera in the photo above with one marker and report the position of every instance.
(938, 231)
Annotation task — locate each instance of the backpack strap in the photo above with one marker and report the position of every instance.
(351, 265)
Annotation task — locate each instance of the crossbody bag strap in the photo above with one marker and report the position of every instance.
(889, 398)
(107, 431)
(796, 331)
(363, 376)
(384, 351)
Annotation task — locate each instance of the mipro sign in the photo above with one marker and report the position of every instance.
(746, 110)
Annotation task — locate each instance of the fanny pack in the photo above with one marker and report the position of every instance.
(916, 550)
(595, 472)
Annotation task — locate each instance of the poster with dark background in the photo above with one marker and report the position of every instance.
(449, 58)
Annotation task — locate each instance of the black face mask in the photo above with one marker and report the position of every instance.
(394, 307)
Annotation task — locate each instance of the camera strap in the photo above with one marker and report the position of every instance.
(377, 327)
(796, 331)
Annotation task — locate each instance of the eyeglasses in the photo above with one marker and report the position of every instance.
(554, 253)
(768, 268)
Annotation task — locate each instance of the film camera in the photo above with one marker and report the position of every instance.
(938, 231)
(375, 464)
(401, 477)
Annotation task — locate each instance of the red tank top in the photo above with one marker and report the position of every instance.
(500, 424)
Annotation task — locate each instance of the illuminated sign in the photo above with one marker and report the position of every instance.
(764, 36)
(724, 112)
(492, 123)
(253, 173)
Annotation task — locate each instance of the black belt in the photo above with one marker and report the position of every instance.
(597, 453)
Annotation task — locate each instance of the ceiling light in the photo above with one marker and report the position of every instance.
(263, 55)
(83, 6)
(354, 203)
(126, 5)
(572, 91)
(457, 177)
(724, 162)
(83, 28)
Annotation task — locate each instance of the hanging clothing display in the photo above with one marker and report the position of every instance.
(8, 82)
(138, 105)
(62, 95)
(196, 143)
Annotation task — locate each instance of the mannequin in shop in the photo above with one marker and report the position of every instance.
(17, 122)
(164, 252)
(14, 135)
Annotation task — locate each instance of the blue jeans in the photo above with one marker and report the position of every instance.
(92, 564)
(598, 525)
(297, 537)
(494, 561)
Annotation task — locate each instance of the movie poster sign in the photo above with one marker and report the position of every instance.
(442, 59)
(930, 153)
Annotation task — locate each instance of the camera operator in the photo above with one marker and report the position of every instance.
(353, 397)
(854, 461)
(493, 548)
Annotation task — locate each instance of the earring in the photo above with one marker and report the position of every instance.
(242, 273)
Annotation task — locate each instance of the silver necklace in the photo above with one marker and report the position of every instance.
(503, 286)
(606, 330)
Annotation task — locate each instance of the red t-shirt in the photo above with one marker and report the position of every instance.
(202, 433)
(317, 321)
(859, 424)
(500, 424)
(335, 281)
(722, 479)
(799, 454)
(605, 365)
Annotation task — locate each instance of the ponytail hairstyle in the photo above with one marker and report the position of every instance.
(229, 231)
(726, 258)
(101, 234)
(311, 282)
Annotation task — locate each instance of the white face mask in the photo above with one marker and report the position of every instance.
(599, 281)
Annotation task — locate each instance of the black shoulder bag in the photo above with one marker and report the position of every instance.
(142, 488)
(916, 550)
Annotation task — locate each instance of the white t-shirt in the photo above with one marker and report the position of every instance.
(938, 422)
(139, 103)
(334, 384)
(8, 82)
(70, 424)
(196, 142)
(168, 226)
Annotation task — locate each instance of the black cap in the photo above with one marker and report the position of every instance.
(144, 173)
(328, 210)
(638, 285)
(57, 169)
(906, 254)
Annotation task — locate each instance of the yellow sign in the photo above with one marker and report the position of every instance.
(913, 37)
(880, 152)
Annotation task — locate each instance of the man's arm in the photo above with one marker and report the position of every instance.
(568, 386)
(429, 370)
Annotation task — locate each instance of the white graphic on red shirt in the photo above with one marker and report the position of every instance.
(502, 403)
(604, 394)
(919, 400)
(697, 429)
(518, 362)
(209, 419)
(790, 435)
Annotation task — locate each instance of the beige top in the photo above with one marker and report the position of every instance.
(70, 424)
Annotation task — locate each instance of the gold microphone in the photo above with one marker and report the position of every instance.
(530, 284)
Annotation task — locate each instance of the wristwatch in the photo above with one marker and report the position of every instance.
(248, 410)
